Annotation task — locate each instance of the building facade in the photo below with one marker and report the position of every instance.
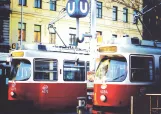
(113, 21)
(4, 25)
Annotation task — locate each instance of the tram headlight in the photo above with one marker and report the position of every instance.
(103, 98)
(13, 94)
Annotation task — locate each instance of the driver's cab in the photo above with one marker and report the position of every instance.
(112, 68)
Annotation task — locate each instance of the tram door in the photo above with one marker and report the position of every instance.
(4, 73)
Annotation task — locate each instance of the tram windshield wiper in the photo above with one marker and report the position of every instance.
(118, 77)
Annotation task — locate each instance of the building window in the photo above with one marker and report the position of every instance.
(114, 16)
(23, 31)
(135, 20)
(52, 38)
(99, 37)
(37, 33)
(24, 2)
(52, 5)
(114, 36)
(72, 36)
(38, 3)
(125, 15)
(99, 10)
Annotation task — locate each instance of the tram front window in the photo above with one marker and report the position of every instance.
(20, 70)
(111, 70)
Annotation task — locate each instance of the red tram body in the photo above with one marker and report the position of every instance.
(128, 67)
(50, 79)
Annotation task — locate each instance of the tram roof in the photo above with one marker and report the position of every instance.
(3, 56)
(36, 50)
(131, 45)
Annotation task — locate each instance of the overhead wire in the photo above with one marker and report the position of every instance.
(141, 13)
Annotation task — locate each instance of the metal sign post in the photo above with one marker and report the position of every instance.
(93, 43)
(77, 9)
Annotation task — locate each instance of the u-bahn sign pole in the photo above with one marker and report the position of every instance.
(93, 43)
(78, 9)
(93, 19)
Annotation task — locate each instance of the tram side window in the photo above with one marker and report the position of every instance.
(45, 69)
(142, 68)
(74, 72)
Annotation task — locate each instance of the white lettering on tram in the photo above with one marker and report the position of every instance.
(103, 91)
(13, 88)
(45, 89)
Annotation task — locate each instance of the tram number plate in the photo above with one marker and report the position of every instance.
(103, 91)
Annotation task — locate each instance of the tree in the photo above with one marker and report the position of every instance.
(133, 4)
(150, 12)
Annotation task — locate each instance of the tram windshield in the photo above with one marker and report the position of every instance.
(20, 70)
(111, 70)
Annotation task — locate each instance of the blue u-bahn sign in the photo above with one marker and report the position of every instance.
(77, 8)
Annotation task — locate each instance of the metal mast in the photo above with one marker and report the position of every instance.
(93, 43)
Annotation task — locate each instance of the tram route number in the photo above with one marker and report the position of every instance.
(103, 91)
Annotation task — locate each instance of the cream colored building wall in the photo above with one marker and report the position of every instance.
(109, 27)
(120, 28)
(43, 16)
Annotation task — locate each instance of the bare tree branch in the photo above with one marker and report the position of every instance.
(133, 4)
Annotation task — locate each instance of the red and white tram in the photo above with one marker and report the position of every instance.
(4, 73)
(50, 77)
(128, 67)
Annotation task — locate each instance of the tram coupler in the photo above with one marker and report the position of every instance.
(81, 105)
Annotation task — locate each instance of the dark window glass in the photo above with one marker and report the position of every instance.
(24, 2)
(38, 3)
(99, 10)
(125, 15)
(142, 68)
(114, 14)
(74, 71)
(52, 5)
(45, 69)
